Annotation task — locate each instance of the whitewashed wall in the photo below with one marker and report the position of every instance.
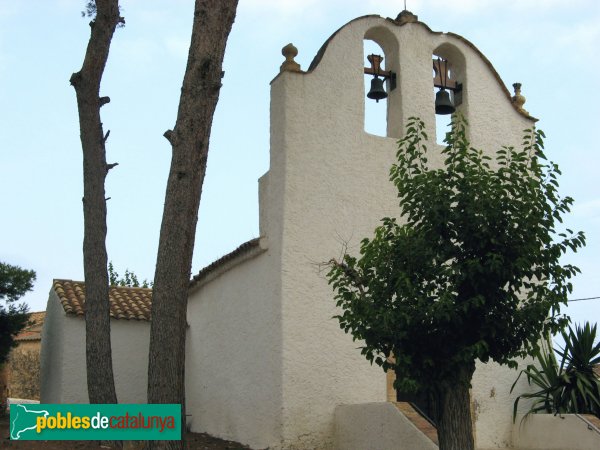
(51, 353)
(233, 369)
(336, 189)
(63, 374)
(266, 363)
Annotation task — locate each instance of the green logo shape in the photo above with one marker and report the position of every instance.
(139, 422)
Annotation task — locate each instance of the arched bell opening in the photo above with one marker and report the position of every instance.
(448, 70)
(376, 94)
(382, 95)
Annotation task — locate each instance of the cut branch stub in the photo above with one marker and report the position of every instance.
(75, 77)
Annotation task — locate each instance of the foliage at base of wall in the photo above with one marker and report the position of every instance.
(571, 386)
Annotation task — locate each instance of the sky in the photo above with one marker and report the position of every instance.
(549, 46)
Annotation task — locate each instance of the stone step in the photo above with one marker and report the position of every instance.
(418, 420)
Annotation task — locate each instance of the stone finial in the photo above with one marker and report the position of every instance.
(518, 99)
(289, 65)
(406, 17)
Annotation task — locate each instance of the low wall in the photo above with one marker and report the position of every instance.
(381, 426)
(550, 432)
(377, 426)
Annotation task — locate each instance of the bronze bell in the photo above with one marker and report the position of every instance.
(377, 91)
(443, 103)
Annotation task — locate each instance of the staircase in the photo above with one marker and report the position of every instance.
(382, 426)
(420, 422)
(398, 426)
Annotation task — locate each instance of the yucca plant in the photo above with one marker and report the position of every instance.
(568, 387)
(580, 355)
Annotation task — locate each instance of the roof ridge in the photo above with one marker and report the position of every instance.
(136, 302)
(242, 249)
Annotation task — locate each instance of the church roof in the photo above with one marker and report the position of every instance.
(127, 303)
(246, 249)
(131, 303)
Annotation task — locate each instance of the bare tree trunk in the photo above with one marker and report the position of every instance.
(213, 20)
(101, 387)
(454, 425)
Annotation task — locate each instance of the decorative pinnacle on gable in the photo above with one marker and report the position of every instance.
(406, 17)
(518, 99)
(289, 65)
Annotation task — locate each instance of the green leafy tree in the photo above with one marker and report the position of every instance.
(14, 283)
(470, 271)
(571, 386)
(129, 279)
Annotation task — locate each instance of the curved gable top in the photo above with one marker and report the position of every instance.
(404, 18)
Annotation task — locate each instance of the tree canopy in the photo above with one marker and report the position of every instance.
(129, 278)
(14, 283)
(470, 270)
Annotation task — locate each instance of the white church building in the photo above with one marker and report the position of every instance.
(266, 364)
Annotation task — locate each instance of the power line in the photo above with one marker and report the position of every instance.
(582, 299)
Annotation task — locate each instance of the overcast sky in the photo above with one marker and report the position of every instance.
(550, 46)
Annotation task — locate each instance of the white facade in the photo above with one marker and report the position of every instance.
(63, 375)
(267, 363)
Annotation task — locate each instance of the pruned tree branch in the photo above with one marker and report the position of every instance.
(75, 77)
(350, 273)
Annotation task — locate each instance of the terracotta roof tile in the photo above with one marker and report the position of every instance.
(135, 303)
(32, 332)
(125, 302)
(28, 336)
